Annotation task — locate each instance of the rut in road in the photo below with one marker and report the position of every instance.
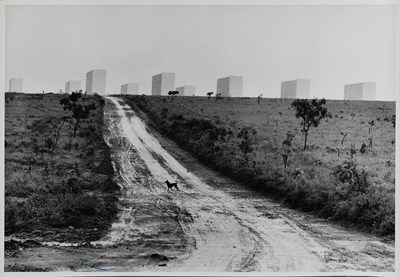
(209, 227)
(220, 233)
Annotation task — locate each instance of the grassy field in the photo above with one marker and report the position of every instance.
(57, 186)
(243, 139)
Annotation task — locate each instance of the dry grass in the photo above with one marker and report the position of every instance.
(61, 188)
(273, 126)
(314, 189)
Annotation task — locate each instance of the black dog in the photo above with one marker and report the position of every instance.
(171, 185)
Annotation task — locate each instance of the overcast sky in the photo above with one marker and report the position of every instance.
(330, 45)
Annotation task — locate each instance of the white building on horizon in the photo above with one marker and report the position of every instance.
(299, 88)
(130, 88)
(96, 81)
(186, 90)
(72, 85)
(15, 85)
(360, 91)
(163, 83)
(231, 86)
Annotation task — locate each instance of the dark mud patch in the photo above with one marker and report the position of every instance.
(159, 159)
(271, 215)
(158, 257)
(15, 245)
(25, 268)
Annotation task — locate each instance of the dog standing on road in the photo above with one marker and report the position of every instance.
(171, 185)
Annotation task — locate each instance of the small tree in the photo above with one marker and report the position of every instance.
(371, 125)
(311, 113)
(394, 120)
(79, 111)
(218, 96)
(58, 130)
(259, 98)
(209, 94)
(172, 93)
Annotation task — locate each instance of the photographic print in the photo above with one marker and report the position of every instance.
(200, 138)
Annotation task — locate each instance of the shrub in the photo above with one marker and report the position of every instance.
(48, 143)
(178, 117)
(347, 172)
(353, 150)
(109, 185)
(87, 205)
(247, 134)
(363, 148)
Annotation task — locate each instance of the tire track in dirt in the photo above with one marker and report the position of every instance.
(200, 212)
(224, 238)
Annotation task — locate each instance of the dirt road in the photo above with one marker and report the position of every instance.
(210, 224)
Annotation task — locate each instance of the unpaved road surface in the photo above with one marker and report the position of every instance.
(210, 224)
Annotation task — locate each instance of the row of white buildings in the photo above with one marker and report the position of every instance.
(95, 82)
(300, 88)
(162, 83)
(231, 86)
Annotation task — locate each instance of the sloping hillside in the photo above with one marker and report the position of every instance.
(243, 139)
(208, 222)
(57, 187)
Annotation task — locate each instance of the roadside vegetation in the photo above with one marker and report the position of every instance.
(58, 173)
(343, 170)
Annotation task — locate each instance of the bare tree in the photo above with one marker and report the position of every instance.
(344, 136)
